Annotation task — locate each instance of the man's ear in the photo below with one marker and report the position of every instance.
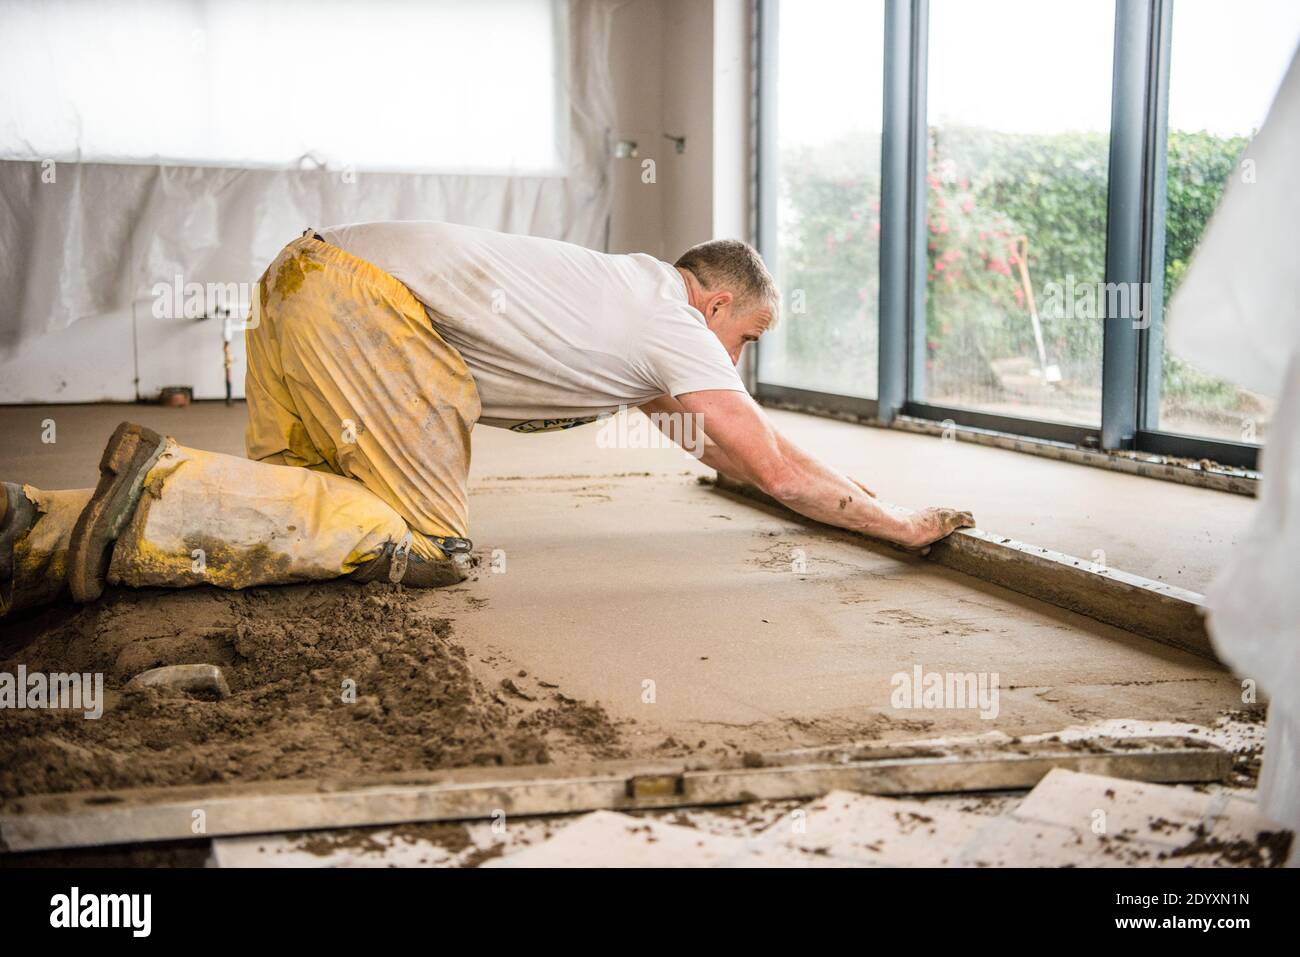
(718, 300)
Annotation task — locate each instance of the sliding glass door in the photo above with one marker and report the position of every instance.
(1213, 113)
(1019, 95)
(826, 212)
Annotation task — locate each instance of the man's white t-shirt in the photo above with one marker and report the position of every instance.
(554, 334)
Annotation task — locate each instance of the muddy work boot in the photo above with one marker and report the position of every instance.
(35, 532)
(397, 563)
(17, 516)
(130, 454)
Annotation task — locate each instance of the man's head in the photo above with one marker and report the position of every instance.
(728, 283)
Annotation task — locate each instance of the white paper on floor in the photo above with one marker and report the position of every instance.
(1069, 819)
(841, 829)
(1088, 820)
(610, 839)
(447, 845)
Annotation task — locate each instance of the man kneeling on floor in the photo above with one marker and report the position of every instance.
(372, 352)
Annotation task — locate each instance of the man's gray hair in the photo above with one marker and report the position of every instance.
(737, 267)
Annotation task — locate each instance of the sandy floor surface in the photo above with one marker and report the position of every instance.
(620, 608)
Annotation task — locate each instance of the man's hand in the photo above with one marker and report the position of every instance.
(752, 450)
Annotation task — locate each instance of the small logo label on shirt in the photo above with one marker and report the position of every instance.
(550, 425)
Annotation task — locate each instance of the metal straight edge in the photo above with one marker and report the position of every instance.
(94, 819)
(1165, 613)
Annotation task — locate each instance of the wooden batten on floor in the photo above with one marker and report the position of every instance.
(1164, 613)
(89, 819)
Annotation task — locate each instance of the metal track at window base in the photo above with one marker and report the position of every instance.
(1144, 464)
(1238, 455)
(846, 407)
(1147, 464)
(141, 815)
(1081, 435)
(1206, 463)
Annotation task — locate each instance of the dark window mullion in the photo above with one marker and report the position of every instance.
(896, 226)
(765, 165)
(1151, 339)
(1126, 218)
(918, 198)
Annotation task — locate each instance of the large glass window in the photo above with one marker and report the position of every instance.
(1226, 63)
(828, 121)
(1018, 110)
(1008, 240)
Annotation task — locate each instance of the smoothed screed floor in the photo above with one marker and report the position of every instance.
(694, 623)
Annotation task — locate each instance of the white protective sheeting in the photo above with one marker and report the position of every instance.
(1237, 315)
(84, 239)
(404, 86)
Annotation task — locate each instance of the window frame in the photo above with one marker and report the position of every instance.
(1130, 399)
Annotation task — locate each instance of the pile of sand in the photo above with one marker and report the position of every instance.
(329, 680)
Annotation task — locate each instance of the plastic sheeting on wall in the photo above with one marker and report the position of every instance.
(80, 240)
(399, 86)
(1237, 315)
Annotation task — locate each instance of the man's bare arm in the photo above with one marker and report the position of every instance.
(750, 448)
(711, 455)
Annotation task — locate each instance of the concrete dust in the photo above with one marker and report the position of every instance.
(327, 680)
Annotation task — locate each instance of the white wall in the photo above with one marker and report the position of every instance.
(92, 360)
(687, 178)
(636, 63)
(733, 93)
(682, 67)
(121, 356)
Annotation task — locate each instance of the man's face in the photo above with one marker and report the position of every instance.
(735, 329)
